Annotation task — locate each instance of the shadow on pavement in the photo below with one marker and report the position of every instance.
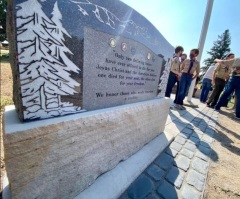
(181, 169)
(220, 135)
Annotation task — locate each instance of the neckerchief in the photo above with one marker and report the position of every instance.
(190, 67)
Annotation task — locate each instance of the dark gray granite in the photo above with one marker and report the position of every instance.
(164, 161)
(182, 162)
(142, 187)
(167, 191)
(171, 152)
(155, 172)
(59, 52)
(175, 176)
(130, 77)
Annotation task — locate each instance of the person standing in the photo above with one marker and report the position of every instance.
(188, 67)
(183, 57)
(207, 83)
(196, 86)
(233, 84)
(220, 76)
(174, 74)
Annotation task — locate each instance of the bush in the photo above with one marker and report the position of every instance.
(4, 102)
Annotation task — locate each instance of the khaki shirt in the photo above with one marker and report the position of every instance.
(235, 69)
(186, 64)
(175, 64)
(222, 71)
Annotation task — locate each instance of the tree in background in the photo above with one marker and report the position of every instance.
(219, 50)
(3, 11)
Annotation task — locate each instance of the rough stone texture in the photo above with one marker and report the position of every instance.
(205, 150)
(194, 134)
(189, 126)
(11, 30)
(210, 132)
(176, 146)
(189, 154)
(187, 131)
(140, 188)
(184, 135)
(202, 127)
(164, 161)
(167, 191)
(152, 197)
(192, 186)
(73, 153)
(171, 152)
(125, 196)
(182, 162)
(202, 156)
(175, 176)
(155, 172)
(190, 146)
(179, 139)
(196, 179)
(194, 140)
(198, 131)
(199, 165)
(207, 139)
(205, 144)
(189, 192)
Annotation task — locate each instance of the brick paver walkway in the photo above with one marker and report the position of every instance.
(181, 170)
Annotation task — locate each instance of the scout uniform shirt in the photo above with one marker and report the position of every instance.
(222, 71)
(175, 64)
(235, 66)
(186, 64)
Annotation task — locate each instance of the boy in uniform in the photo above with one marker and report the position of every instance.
(183, 57)
(188, 67)
(174, 74)
(220, 76)
(233, 84)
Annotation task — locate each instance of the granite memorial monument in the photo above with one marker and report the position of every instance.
(96, 64)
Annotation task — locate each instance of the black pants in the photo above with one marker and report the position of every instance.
(172, 79)
(217, 89)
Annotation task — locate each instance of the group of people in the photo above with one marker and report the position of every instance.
(182, 72)
(223, 77)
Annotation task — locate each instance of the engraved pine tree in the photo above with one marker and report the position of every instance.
(58, 32)
(164, 80)
(44, 77)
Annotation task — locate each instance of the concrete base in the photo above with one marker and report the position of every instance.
(60, 157)
(113, 183)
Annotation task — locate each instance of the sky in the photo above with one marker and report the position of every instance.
(180, 22)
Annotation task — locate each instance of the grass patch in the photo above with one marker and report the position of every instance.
(4, 56)
(4, 52)
(199, 86)
(4, 102)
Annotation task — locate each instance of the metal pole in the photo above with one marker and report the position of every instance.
(201, 42)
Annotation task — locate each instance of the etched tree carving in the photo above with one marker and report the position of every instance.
(164, 79)
(43, 65)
